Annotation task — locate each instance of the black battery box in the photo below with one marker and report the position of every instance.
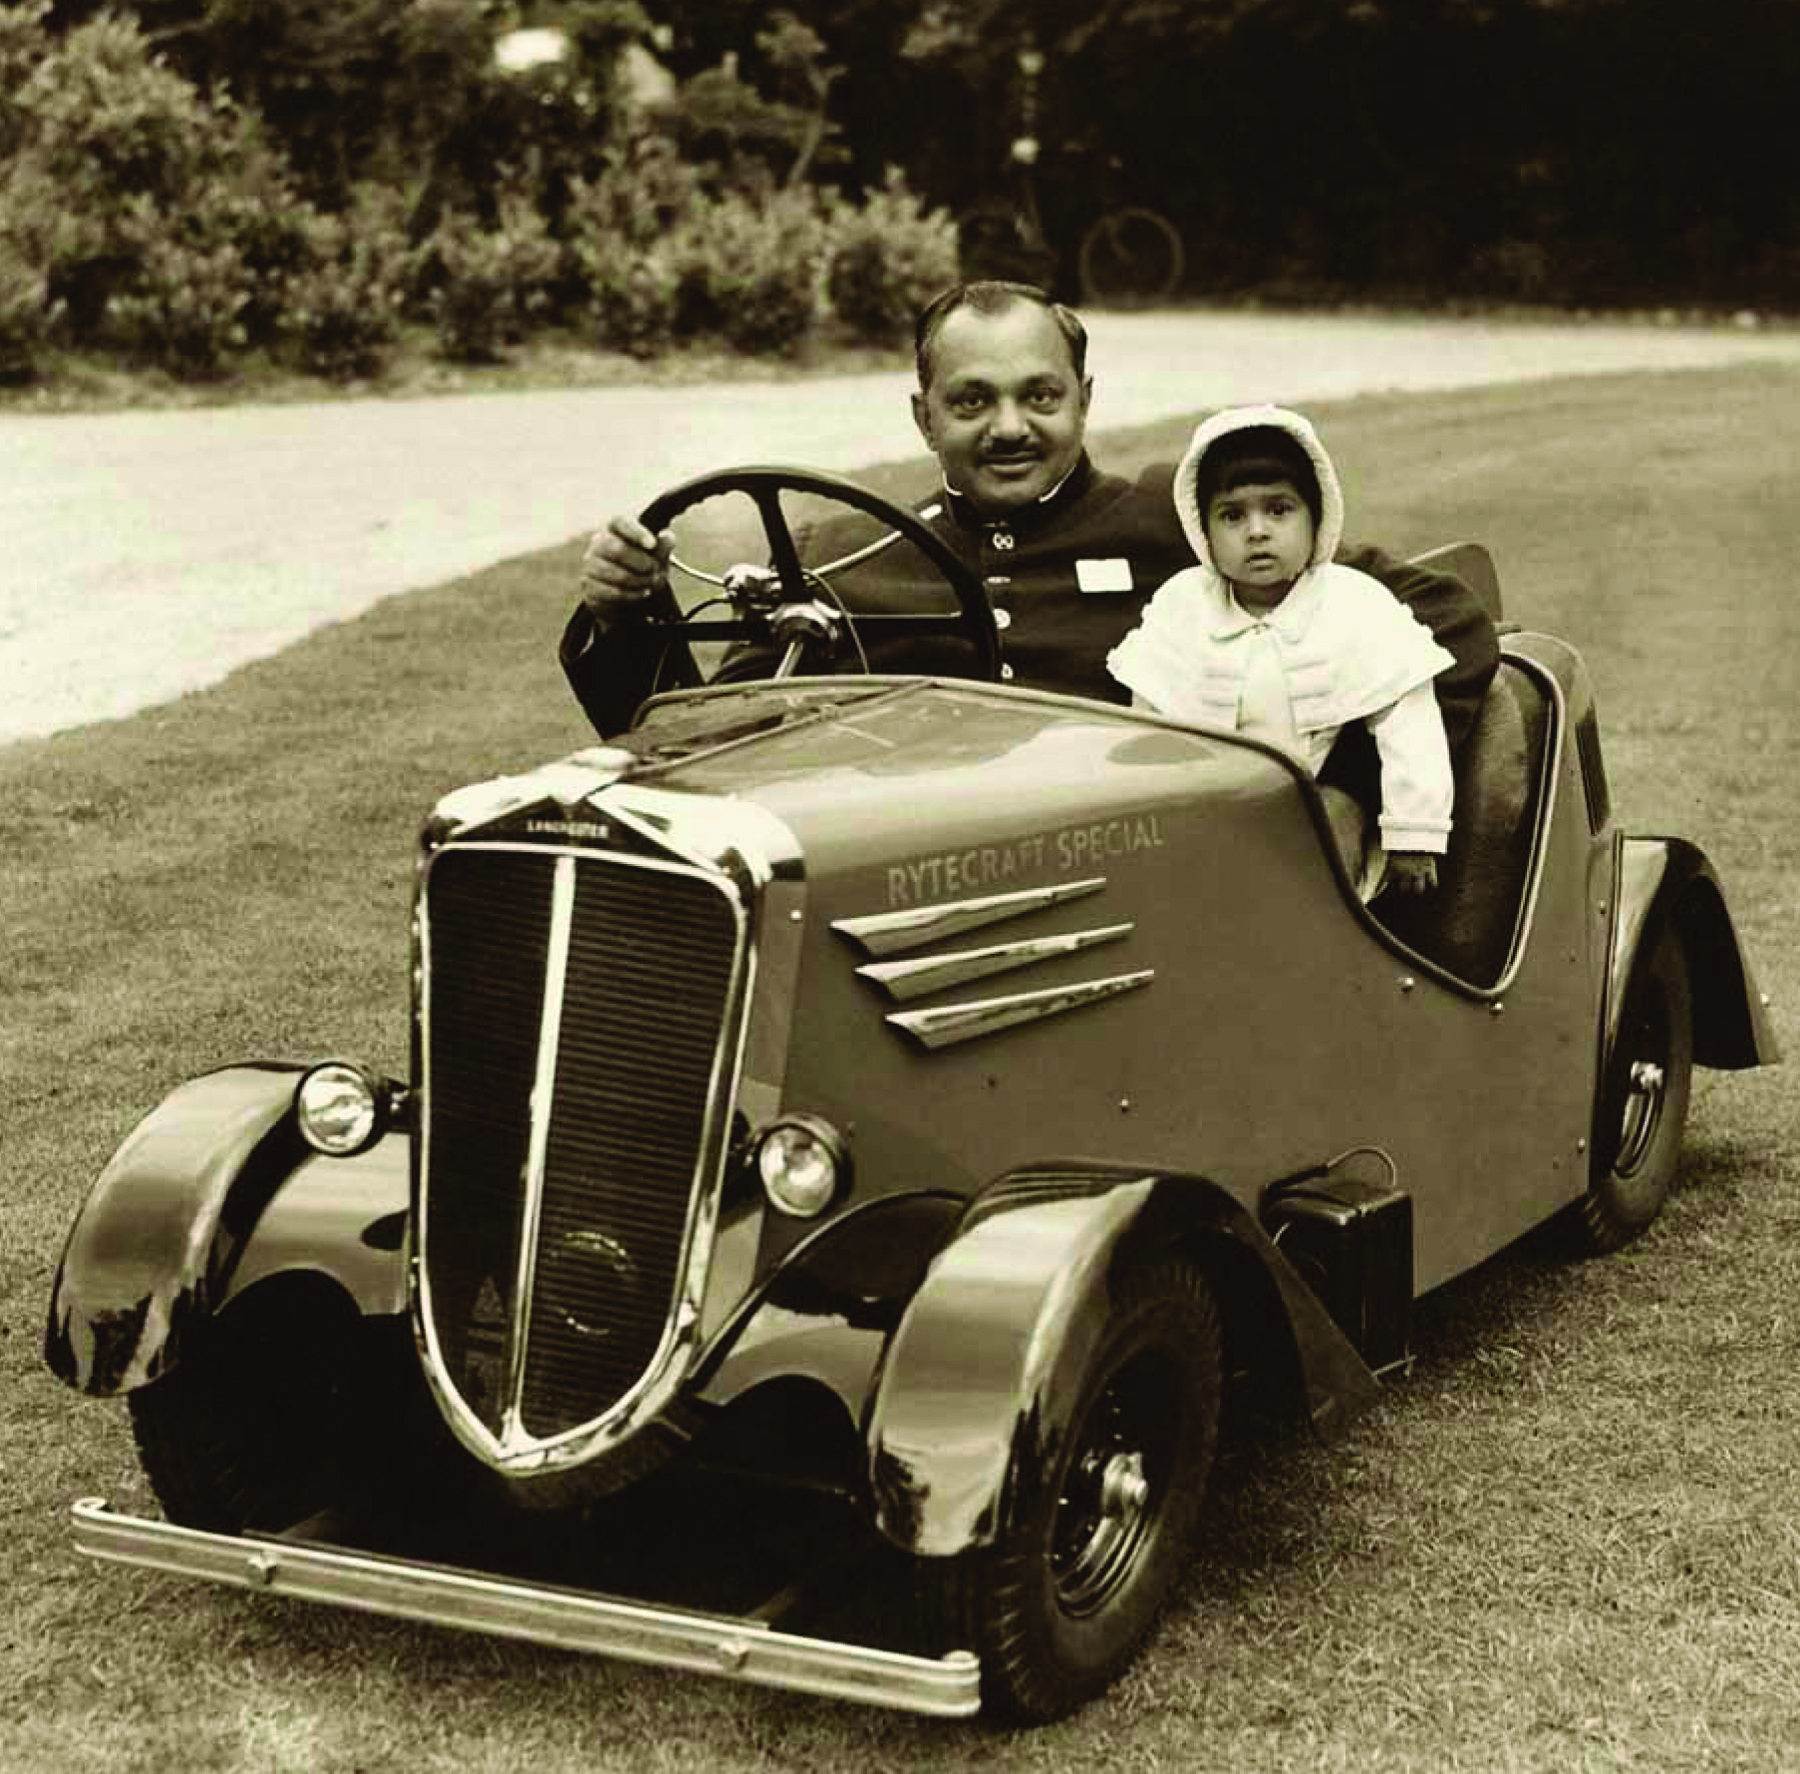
(1351, 1241)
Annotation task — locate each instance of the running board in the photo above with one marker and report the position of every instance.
(710, 1644)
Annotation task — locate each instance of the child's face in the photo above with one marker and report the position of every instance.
(1261, 538)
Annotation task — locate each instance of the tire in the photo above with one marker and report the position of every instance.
(1130, 258)
(1058, 1607)
(1643, 1105)
(284, 1407)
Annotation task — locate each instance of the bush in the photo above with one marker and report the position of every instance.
(26, 316)
(643, 190)
(341, 311)
(888, 259)
(185, 301)
(487, 286)
(271, 229)
(23, 44)
(1514, 270)
(153, 214)
(634, 297)
(105, 125)
(750, 269)
(617, 266)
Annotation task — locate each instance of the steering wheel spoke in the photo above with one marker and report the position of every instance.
(782, 550)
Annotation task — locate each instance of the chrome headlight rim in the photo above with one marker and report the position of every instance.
(342, 1107)
(803, 1164)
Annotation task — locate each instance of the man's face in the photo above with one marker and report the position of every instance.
(1005, 414)
(1260, 536)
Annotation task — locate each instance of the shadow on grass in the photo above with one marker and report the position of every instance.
(1284, 1503)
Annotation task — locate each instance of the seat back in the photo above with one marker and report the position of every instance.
(1468, 925)
(1474, 566)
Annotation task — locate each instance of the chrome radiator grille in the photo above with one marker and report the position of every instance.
(552, 1253)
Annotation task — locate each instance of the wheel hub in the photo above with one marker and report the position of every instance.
(1124, 1490)
(1104, 1511)
(1644, 1088)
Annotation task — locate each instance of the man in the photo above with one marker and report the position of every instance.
(1068, 555)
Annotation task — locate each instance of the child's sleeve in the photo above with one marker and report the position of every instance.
(1417, 789)
(1154, 661)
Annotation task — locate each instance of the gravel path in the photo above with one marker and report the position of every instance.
(149, 553)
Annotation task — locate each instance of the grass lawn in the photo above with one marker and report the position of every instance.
(1569, 1540)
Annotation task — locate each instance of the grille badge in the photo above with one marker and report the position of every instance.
(574, 1265)
(571, 783)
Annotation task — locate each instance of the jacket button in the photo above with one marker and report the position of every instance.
(1006, 674)
(1002, 540)
(1003, 619)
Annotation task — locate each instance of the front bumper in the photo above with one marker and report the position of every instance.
(711, 1644)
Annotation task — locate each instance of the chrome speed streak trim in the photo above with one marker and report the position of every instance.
(906, 980)
(886, 933)
(710, 1644)
(955, 1023)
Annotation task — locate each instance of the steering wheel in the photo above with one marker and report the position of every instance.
(792, 603)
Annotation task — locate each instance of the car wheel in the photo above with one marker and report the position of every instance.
(283, 1407)
(1059, 1606)
(1643, 1106)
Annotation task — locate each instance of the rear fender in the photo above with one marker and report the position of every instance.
(213, 1190)
(980, 1380)
(1667, 883)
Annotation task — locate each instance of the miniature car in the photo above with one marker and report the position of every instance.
(864, 1124)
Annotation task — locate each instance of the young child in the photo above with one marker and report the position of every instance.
(1268, 635)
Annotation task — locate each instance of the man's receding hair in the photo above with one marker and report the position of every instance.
(991, 297)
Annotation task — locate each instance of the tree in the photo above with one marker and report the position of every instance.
(719, 112)
(370, 89)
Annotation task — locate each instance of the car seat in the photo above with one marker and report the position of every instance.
(1470, 924)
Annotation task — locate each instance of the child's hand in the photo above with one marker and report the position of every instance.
(1412, 871)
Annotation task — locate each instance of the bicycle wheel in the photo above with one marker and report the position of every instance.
(1129, 259)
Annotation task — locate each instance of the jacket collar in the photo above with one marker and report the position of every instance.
(1226, 618)
(1024, 521)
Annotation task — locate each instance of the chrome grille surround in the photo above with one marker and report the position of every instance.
(558, 1145)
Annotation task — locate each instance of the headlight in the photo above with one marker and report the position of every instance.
(803, 1162)
(342, 1108)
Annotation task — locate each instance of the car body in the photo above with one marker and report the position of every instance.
(906, 1104)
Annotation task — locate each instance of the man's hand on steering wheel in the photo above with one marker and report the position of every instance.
(625, 573)
(805, 594)
(622, 569)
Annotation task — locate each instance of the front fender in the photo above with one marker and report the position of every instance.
(828, 1311)
(981, 1378)
(212, 1190)
(1668, 883)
